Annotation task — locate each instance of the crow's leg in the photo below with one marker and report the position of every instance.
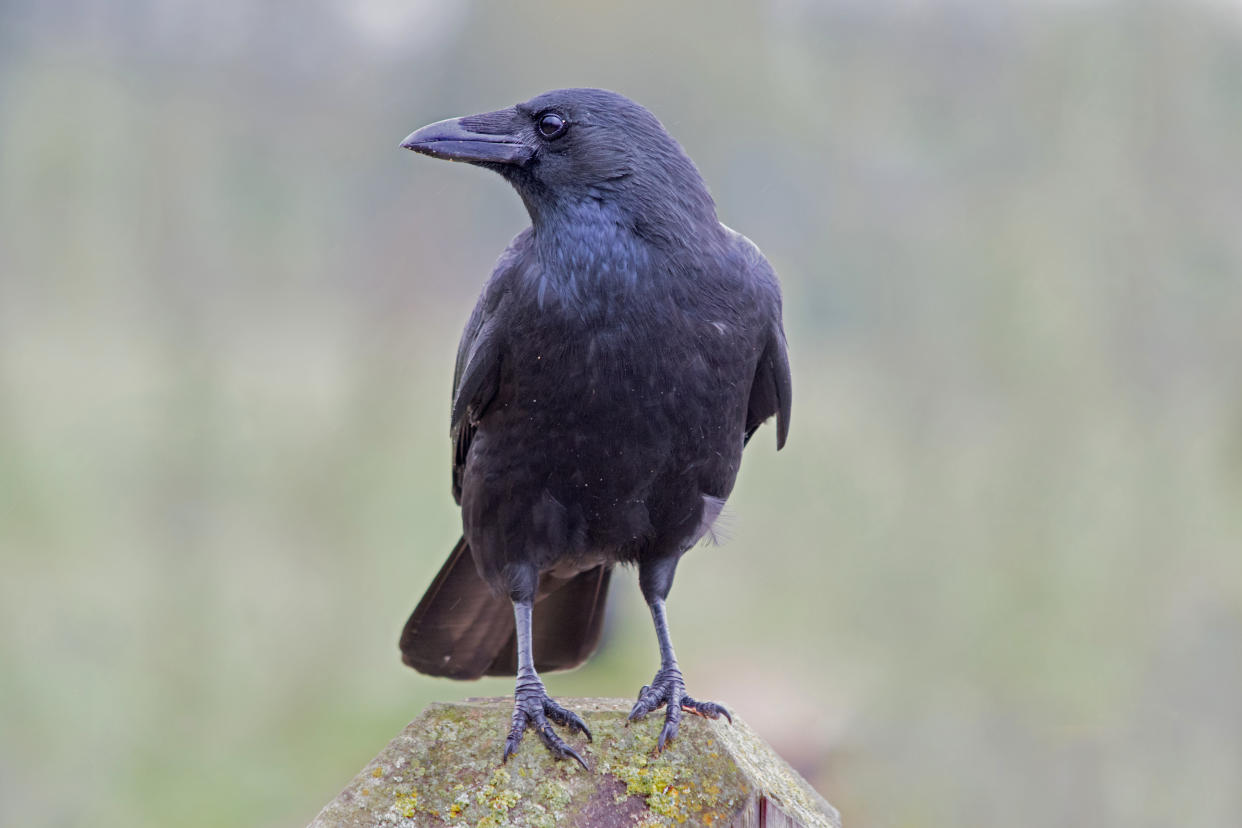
(668, 688)
(532, 707)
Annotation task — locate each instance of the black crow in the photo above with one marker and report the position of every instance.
(623, 352)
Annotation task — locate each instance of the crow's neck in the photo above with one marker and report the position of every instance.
(589, 255)
(587, 237)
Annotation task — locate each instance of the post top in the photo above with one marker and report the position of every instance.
(444, 769)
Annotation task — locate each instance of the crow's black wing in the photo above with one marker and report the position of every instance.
(475, 382)
(771, 390)
(476, 377)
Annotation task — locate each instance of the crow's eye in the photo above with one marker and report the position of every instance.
(552, 126)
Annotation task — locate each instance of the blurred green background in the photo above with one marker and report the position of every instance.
(995, 579)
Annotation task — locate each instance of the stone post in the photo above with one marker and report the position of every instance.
(444, 770)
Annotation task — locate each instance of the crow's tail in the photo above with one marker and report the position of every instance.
(463, 630)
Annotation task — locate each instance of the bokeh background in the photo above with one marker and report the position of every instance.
(995, 578)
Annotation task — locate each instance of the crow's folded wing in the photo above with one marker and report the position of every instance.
(476, 377)
(771, 390)
(475, 382)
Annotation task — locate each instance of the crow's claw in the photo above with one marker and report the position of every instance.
(706, 709)
(566, 718)
(532, 709)
(668, 690)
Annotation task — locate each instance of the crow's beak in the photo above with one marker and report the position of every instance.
(476, 139)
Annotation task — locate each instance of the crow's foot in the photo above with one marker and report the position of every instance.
(533, 708)
(669, 688)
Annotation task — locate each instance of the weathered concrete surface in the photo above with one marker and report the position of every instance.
(444, 769)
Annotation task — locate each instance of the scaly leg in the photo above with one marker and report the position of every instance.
(532, 707)
(668, 687)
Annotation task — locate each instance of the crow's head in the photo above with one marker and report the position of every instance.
(573, 147)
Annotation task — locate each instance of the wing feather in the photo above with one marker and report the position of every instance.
(771, 390)
(476, 375)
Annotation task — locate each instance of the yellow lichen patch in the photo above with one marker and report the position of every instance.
(406, 803)
(497, 795)
(657, 782)
(377, 773)
(553, 794)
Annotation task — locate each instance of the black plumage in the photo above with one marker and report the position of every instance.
(623, 352)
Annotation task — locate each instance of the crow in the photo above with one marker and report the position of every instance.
(623, 352)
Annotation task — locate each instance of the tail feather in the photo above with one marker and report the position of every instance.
(459, 625)
(461, 629)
